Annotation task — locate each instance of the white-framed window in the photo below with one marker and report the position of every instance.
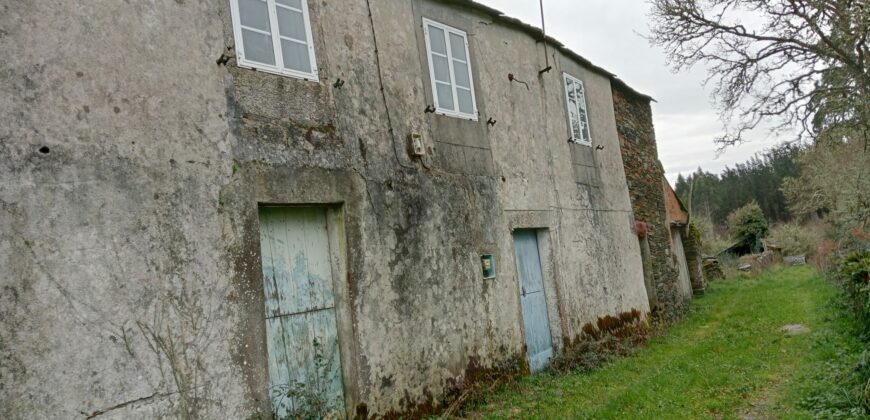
(578, 115)
(450, 70)
(274, 36)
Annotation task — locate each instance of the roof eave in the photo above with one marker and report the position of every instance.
(538, 34)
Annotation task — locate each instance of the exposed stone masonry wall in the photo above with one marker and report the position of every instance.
(644, 173)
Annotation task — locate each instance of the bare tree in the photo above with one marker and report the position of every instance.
(797, 65)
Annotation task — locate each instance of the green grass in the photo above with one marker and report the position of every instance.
(727, 359)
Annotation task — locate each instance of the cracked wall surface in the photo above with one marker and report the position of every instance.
(133, 165)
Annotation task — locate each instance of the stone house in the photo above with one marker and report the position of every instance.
(671, 261)
(232, 209)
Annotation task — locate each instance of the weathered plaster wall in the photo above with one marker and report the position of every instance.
(114, 144)
(644, 175)
(131, 279)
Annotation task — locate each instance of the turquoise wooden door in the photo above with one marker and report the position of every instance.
(536, 323)
(301, 337)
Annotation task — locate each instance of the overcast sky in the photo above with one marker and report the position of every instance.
(610, 34)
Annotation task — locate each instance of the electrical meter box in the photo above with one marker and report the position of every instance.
(415, 141)
(487, 264)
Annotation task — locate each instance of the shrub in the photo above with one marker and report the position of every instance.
(748, 226)
(794, 239)
(855, 272)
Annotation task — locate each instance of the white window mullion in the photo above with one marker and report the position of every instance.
(294, 40)
(311, 56)
(427, 36)
(237, 28)
(276, 34)
(289, 8)
(259, 31)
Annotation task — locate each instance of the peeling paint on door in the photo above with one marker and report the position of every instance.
(539, 342)
(301, 337)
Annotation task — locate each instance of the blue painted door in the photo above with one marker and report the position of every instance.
(301, 338)
(536, 323)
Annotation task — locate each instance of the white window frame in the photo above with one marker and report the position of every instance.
(455, 112)
(278, 68)
(574, 138)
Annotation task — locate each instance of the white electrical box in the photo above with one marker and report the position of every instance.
(416, 144)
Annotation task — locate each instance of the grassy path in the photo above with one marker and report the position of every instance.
(728, 359)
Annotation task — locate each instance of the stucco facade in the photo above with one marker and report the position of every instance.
(136, 154)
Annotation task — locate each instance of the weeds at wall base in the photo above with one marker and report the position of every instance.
(608, 339)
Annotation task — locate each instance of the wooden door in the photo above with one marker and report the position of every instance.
(536, 323)
(301, 336)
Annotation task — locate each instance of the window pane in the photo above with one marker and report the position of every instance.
(436, 40)
(258, 47)
(291, 24)
(580, 93)
(445, 96)
(461, 74)
(573, 115)
(466, 105)
(292, 3)
(569, 90)
(441, 69)
(295, 56)
(457, 47)
(254, 14)
(575, 124)
(584, 128)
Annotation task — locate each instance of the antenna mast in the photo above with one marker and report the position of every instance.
(544, 31)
